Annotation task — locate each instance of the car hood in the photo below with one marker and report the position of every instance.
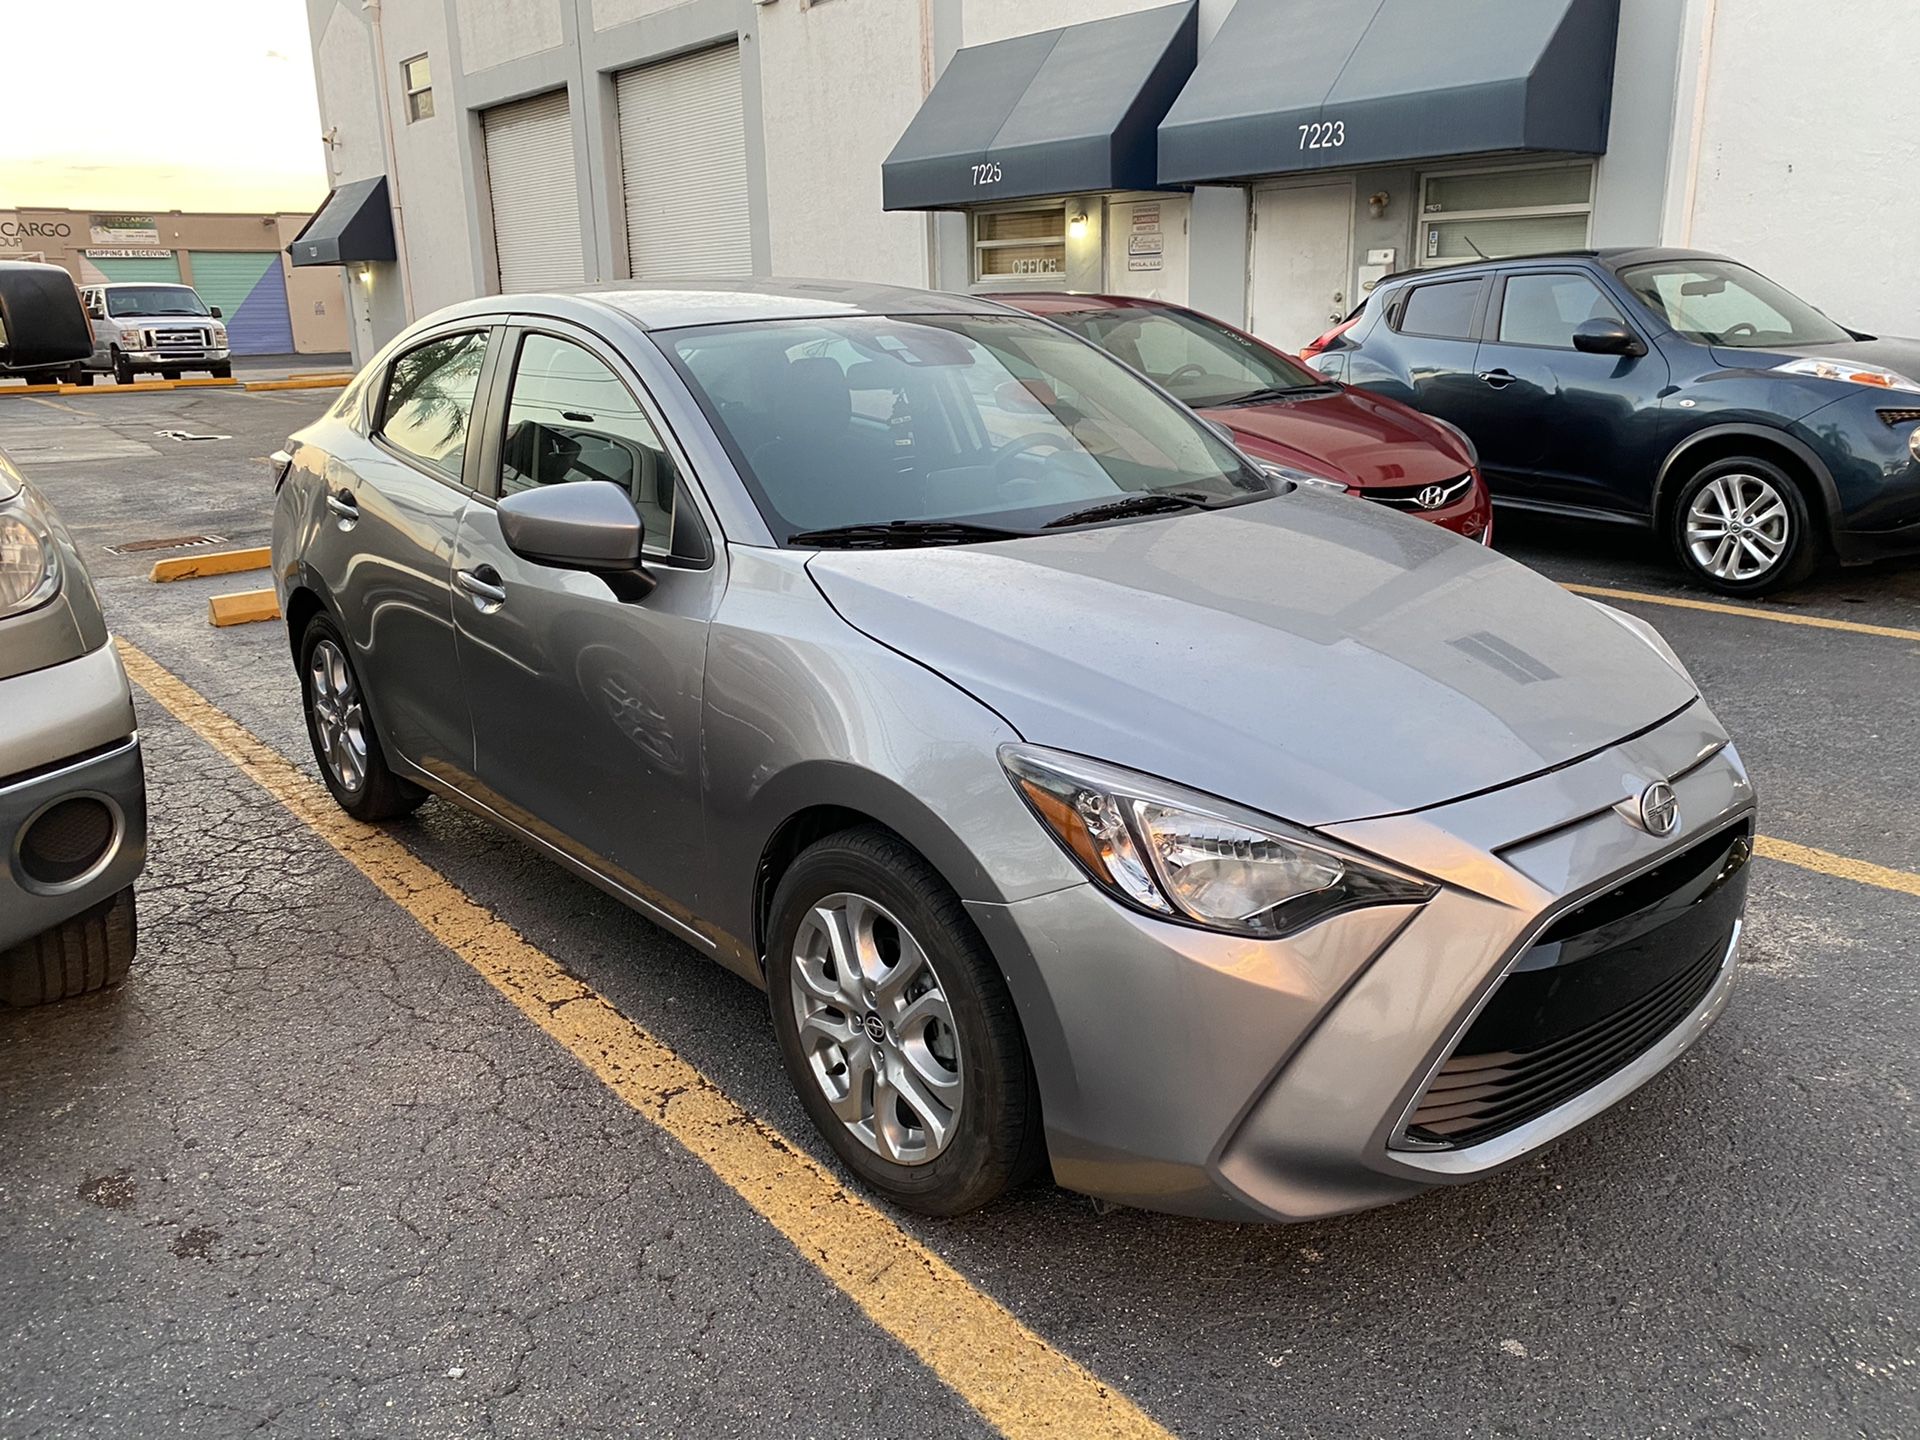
(1890, 352)
(1309, 655)
(1346, 435)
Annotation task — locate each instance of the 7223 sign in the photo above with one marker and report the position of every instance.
(1323, 135)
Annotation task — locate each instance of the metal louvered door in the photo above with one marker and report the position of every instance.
(683, 162)
(536, 196)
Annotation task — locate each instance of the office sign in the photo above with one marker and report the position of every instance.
(123, 230)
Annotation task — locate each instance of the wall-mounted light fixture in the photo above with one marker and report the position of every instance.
(1377, 204)
(1077, 225)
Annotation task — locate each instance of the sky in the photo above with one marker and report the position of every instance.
(239, 128)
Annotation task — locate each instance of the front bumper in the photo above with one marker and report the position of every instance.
(1239, 1079)
(66, 732)
(175, 359)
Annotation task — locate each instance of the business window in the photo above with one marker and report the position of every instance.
(1468, 215)
(417, 80)
(1021, 244)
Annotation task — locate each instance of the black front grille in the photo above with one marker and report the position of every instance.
(1600, 987)
(1408, 497)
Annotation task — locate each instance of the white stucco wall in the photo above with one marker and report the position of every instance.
(987, 20)
(492, 33)
(840, 83)
(608, 13)
(432, 198)
(1807, 158)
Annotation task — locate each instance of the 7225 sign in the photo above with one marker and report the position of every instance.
(1323, 135)
(986, 174)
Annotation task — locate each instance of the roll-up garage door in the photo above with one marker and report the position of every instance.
(683, 161)
(536, 199)
(251, 290)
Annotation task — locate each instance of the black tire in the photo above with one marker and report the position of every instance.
(78, 375)
(222, 372)
(1792, 531)
(996, 1140)
(122, 370)
(169, 374)
(88, 952)
(380, 794)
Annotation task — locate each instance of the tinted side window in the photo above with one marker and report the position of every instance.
(571, 418)
(429, 406)
(1443, 311)
(1546, 309)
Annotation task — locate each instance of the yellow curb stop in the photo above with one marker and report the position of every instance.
(302, 382)
(213, 562)
(242, 607)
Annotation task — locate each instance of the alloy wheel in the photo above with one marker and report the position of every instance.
(1738, 527)
(876, 1029)
(339, 717)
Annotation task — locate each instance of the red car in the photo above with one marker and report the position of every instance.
(1301, 425)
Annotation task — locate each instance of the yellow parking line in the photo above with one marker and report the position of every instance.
(1845, 867)
(1750, 612)
(1018, 1383)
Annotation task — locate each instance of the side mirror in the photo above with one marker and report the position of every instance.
(1607, 337)
(215, 312)
(587, 525)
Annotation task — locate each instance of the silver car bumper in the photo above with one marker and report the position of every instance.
(1241, 1079)
(66, 734)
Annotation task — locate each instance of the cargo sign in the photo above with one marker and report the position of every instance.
(123, 230)
(16, 231)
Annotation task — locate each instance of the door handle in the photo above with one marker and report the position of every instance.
(344, 508)
(483, 584)
(1499, 379)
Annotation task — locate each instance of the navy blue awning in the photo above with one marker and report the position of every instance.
(1061, 112)
(1294, 85)
(354, 224)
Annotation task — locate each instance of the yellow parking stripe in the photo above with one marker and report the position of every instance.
(1844, 867)
(1749, 612)
(1016, 1381)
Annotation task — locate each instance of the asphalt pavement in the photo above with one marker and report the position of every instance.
(309, 1173)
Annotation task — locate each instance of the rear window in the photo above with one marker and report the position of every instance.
(1443, 311)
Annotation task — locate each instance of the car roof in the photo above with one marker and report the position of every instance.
(1612, 257)
(1064, 302)
(672, 304)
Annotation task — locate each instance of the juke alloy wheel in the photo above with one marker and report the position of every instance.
(1741, 525)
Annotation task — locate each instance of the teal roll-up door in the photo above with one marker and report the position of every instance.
(251, 290)
(162, 270)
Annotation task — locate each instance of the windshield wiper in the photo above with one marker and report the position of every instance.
(1264, 397)
(898, 534)
(1159, 502)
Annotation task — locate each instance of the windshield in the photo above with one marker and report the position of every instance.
(1204, 363)
(988, 420)
(154, 300)
(1721, 303)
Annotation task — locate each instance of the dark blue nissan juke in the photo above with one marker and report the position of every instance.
(1658, 387)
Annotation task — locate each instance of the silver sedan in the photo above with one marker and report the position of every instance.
(1081, 794)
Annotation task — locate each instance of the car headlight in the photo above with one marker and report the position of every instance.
(29, 567)
(1875, 375)
(1294, 475)
(1654, 640)
(1162, 850)
(135, 339)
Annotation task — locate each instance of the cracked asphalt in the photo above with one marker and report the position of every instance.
(308, 1174)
